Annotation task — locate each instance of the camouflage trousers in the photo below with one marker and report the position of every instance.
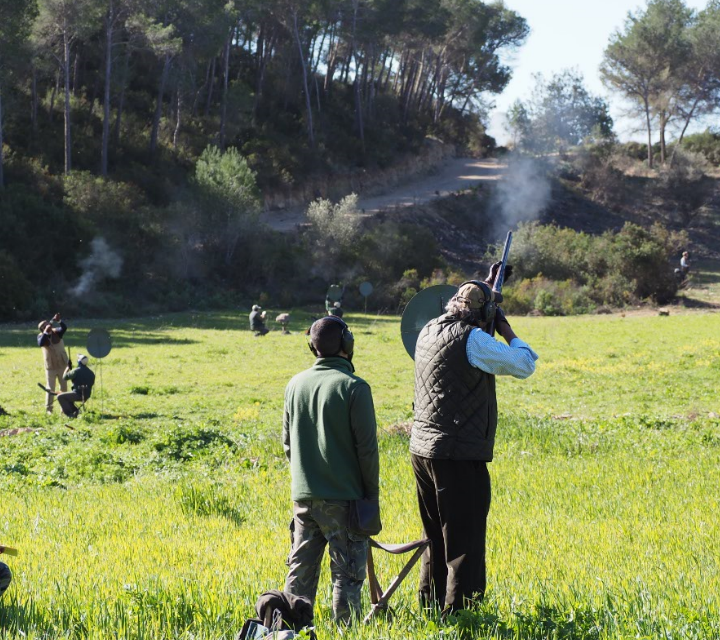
(5, 577)
(317, 524)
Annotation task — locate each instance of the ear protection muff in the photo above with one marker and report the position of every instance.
(491, 298)
(347, 340)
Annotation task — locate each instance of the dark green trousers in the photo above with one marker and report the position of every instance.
(454, 500)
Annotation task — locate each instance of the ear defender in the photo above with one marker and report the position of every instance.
(491, 298)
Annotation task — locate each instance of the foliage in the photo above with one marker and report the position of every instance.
(230, 198)
(14, 288)
(548, 297)
(333, 230)
(665, 61)
(706, 144)
(614, 268)
(561, 113)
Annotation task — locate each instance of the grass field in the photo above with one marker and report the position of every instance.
(163, 512)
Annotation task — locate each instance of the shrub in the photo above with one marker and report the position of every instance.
(614, 268)
(15, 289)
(549, 297)
(706, 144)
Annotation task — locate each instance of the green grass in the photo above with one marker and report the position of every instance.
(165, 516)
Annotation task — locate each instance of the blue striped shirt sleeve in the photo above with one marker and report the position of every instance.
(492, 356)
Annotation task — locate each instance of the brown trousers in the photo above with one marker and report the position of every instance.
(51, 375)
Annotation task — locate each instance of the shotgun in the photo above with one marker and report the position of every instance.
(500, 277)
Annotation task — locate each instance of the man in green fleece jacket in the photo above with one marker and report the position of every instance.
(330, 438)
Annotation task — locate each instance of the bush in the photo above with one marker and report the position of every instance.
(706, 144)
(15, 289)
(548, 297)
(612, 269)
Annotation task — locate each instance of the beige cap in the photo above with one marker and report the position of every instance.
(472, 295)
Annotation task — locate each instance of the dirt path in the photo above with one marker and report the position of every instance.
(459, 174)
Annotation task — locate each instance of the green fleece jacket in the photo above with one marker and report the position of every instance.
(330, 434)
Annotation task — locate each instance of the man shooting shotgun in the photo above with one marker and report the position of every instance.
(50, 340)
(453, 433)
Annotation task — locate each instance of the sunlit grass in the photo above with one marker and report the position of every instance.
(167, 516)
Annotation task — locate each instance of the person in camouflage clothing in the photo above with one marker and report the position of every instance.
(330, 438)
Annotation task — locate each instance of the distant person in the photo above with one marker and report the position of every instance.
(685, 264)
(336, 310)
(50, 340)
(453, 436)
(330, 439)
(257, 320)
(5, 577)
(83, 380)
(334, 295)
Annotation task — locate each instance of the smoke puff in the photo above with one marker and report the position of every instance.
(102, 263)
(522, 194)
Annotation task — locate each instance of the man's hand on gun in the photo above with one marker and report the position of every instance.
(492, 274)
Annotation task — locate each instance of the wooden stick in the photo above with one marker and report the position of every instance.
(8, 550)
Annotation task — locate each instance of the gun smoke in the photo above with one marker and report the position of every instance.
(522, 194)
(102, 263)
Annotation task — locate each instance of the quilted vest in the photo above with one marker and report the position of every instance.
(455, 403)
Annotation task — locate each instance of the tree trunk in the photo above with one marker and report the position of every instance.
(178, 115)
(208, 102)
(690, 116)
(56, 88)
(663, 147)
(68, 138)
(106, 97)
(159, 104)
(200, 90)
(34, 102)
(2, 172)
(226, 71)
(649, 135)
(308, 105)
(121, 99)
(76, 74)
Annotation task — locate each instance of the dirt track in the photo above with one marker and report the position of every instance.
(459, 174)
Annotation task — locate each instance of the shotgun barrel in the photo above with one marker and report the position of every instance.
(500, 276)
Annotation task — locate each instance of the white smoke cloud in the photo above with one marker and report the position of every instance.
(102, 263)
(522, 194)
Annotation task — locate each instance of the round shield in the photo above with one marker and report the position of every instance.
(366, 289)
(98, 343)
(426, 305)
(334, 293)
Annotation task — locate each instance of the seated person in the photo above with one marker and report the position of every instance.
(83, 380)
(336, 310)
(257, 321)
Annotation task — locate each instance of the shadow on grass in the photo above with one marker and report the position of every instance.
(156, 330)
(19, 620)
(538, 623)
